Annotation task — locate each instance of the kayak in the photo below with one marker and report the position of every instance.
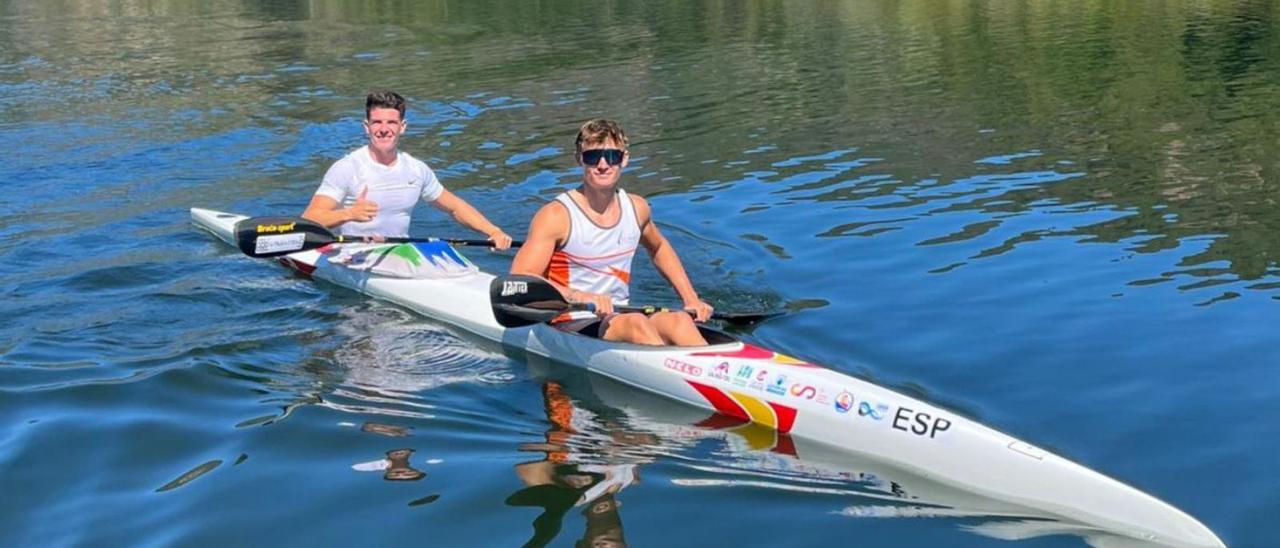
(872, 487)
(798, 405)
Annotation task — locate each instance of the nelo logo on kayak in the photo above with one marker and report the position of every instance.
(510, 288)
(907, 420)
(686, 368)
(269, 229)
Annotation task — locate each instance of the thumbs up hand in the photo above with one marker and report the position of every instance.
(364, 209)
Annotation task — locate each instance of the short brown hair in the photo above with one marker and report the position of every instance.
(383, 98)
(597, 131)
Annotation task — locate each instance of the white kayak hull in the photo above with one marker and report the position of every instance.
(794, 400)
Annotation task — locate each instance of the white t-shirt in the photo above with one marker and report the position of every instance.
(395, 188)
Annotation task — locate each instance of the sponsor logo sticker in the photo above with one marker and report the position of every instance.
(779, 385)
(877, 411)
(824, 397)
(721, 372)
(801, 390)
(743, 375)
(283, 227)
(510, 288)
(682, 367)
(844, 402)
(279, 242)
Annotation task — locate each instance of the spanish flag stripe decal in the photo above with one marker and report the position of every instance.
(783, 358)
(760, 413)
(723, 403)
(736, 404)
(786, 416)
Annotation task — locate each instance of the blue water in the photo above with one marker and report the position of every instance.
(1059, 220)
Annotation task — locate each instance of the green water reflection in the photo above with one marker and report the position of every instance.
(1161, 113)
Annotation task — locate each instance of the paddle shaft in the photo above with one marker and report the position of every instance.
(651, 310)
(275, 236)
(522, 300)
(450, 241)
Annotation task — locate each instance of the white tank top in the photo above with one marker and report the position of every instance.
(597, 259)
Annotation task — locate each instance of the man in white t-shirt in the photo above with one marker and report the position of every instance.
(372, 191)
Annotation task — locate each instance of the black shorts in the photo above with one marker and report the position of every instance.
(591, 327)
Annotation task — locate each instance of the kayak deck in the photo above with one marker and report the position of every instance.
(800, 401)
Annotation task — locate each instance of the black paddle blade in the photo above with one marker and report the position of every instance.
(519, 300)
(275, 236)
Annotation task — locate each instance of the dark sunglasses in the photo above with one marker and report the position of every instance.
(612, 156)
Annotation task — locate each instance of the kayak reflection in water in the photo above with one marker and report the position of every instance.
(583, 243)
(559, 483)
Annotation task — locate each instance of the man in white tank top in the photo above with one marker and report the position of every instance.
(372, 191)
(583, 242)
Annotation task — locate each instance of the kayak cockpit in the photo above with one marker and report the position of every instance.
(713, 336)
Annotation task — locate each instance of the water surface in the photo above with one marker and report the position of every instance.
(1057, 218)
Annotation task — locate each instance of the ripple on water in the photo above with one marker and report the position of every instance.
(125, 321)
(390, 357)
(366, 358)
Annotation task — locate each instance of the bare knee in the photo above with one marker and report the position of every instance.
(670, 321)
(678, 328)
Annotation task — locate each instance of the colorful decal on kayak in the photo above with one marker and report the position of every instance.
(752, 352)
(844, 402)
(720, 372)
(442, 253)
(432, 260)
(720, 401)
(786, 416)
(757, 409)
(746, 407)
(803, 391)
(877, 411)
(778, 385)
(758, 437)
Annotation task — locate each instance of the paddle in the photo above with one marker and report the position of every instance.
(519, 300)
(275, 236)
